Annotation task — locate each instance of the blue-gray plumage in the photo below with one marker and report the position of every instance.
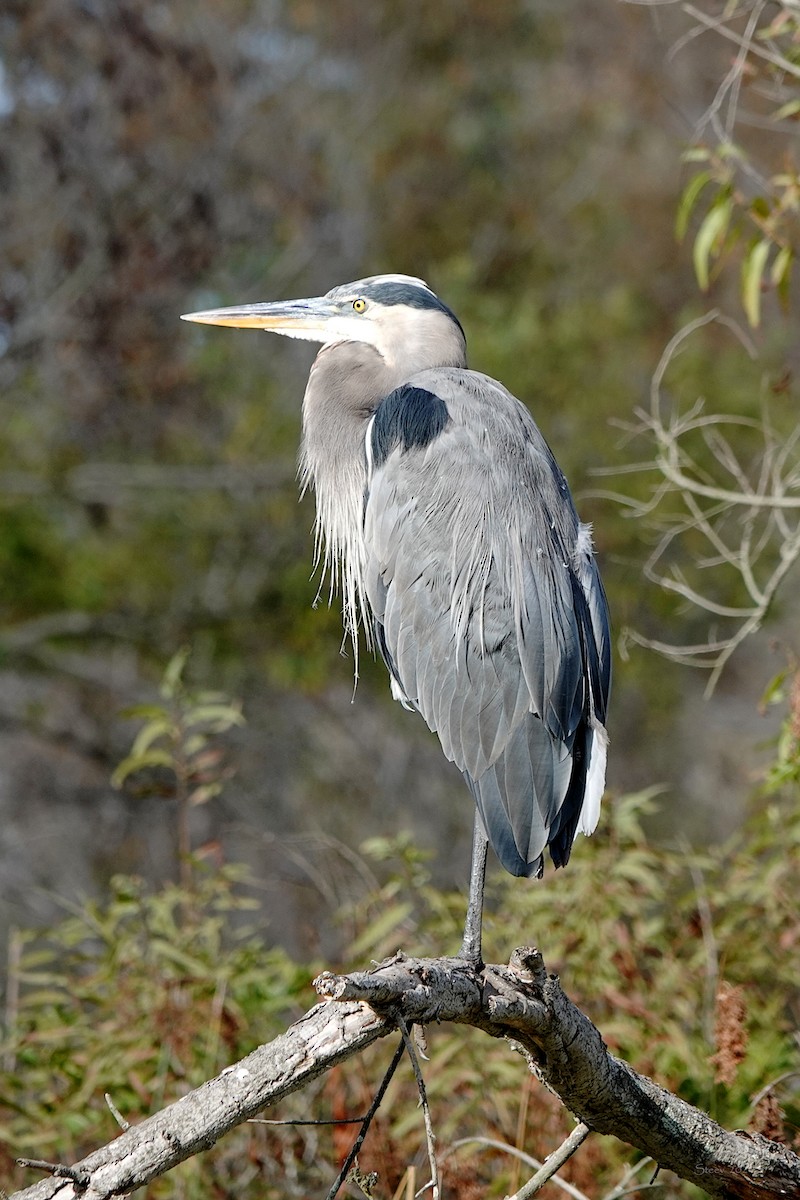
(475, 576)
(445, 517)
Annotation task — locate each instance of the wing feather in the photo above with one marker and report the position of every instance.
(492, 616)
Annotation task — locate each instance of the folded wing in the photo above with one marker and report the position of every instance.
(488, 607)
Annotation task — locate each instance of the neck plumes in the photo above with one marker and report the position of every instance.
(347, 383)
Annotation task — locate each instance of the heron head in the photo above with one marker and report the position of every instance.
(398, 315)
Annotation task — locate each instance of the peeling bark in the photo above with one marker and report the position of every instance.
(520, 1002)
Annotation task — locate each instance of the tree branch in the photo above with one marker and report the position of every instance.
(752, 529)
(325, 1036)
(521, 1003)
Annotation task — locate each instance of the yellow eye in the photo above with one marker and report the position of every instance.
(359, 305)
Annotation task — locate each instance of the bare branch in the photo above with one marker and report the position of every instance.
(350, 1161)
(552, 1163)
(521, 1156)
(325, 1036)
(752, 530)
(520, 1003)
(430, 1137)
(742, 40)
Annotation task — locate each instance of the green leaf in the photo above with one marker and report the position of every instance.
(194, 743)
(204, 793)
(696, 154)
(753, 267)
(144, 712)
(223, 716)
(781, 271)
(730, 150)
(775, 691)
(144, 739)
(209, 697)
(173, 675)
(710, 237)
(787, 110)
(688, 200)
(131, 764)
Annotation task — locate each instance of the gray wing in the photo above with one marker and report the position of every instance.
(488, 608)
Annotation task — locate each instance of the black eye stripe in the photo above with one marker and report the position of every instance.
(414, 297)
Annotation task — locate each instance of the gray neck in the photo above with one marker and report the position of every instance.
(347, 383)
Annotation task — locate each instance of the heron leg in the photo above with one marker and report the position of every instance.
(471, 945)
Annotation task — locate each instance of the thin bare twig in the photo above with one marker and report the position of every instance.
(365, 1124)
(625, 1185)
(57, 1170)
(771, 56)
(430, 1137)
(116, 1114)
(553, 1162)
(528, 1160)
(752, 529)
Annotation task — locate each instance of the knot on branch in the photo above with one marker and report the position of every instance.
(423, 990)
(517, 995)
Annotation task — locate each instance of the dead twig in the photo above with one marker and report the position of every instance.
(553, 1162)
(430, 1139)
(365, 1124)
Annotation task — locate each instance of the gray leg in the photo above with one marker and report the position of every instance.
(471, 945)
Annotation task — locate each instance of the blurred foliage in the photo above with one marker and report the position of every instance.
(749, 212)
(145, 995)
(142, 996)
(784, 690)
(767, 259)
(158, 158)
(180, 741)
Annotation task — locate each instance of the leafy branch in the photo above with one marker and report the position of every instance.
(176, 750)
(743, 204)
(785, 690)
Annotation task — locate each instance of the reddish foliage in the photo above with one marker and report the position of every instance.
(730, 1034)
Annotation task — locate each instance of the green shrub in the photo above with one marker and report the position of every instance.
(145, 995)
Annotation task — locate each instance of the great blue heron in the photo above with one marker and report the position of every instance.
(443, 513)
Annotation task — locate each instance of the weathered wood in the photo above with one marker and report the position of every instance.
(524, 1003)
(323, 1037)
(520, 1002)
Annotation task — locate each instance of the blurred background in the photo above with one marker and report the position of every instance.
(525, 157)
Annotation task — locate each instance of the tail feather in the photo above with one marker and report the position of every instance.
(540, 793)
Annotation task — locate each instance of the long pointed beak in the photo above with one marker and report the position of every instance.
(308, 319)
